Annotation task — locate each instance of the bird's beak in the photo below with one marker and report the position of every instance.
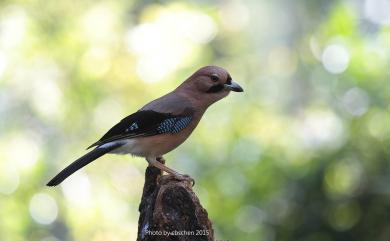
(233, 87)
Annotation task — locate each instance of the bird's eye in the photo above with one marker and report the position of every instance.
(214, 77)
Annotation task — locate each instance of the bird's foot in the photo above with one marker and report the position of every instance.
(178, 177)
(160, 159)
(159, 163)
(186, 178)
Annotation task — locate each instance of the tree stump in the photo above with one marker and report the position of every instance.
(170, 211)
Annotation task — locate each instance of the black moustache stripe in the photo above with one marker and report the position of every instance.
(215, 89)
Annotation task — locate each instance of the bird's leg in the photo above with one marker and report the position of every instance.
(158, 162)
(161, 159)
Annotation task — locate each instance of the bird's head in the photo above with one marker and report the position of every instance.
(210, 84)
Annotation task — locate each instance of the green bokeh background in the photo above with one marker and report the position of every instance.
(303, 154)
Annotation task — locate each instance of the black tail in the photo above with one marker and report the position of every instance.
(79, 163)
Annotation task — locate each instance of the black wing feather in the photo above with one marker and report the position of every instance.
(145, 123)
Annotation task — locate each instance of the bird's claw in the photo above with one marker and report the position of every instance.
(186, 178)
(166, 178)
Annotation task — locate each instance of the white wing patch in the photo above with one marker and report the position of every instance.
(133, 126)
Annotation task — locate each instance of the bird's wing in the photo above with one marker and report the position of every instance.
(146, 123)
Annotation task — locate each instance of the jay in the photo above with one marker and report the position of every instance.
(162, 124)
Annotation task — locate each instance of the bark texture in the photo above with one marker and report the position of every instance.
(170, 211)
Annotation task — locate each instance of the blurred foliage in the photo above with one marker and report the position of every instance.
(302, 155)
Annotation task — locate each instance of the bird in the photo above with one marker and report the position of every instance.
(162, 124)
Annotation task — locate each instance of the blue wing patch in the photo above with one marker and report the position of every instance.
(166, 125)
(173, 125)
